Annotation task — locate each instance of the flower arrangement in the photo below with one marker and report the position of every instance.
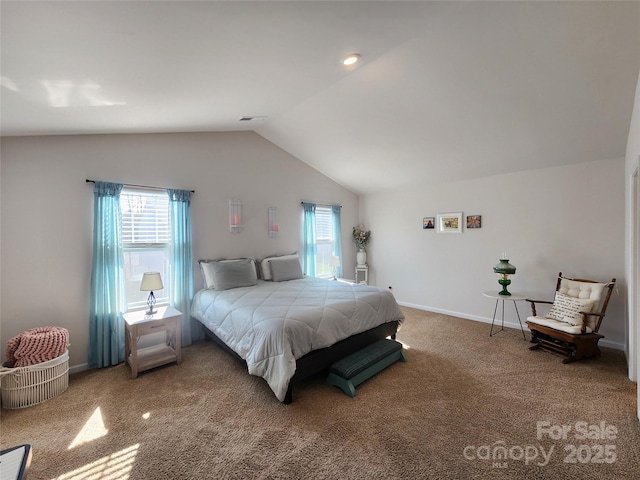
(360, 236)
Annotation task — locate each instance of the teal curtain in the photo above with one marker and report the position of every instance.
(309, 239)
(106, 325)
(181, 281)
(337, 235)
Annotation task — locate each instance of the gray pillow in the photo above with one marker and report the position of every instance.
(265, 269)
(285, 268)
(232, 274)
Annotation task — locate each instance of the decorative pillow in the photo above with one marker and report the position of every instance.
(266, 268)
(226, 274)
(285, 268)
(567, 309)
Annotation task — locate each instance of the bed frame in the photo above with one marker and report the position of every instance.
(319, 360)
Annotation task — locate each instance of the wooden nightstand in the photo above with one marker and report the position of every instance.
(137, 324)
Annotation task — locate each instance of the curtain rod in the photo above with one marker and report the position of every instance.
(323, 204)
(139, 186)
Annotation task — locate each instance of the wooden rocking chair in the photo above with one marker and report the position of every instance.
(570, 329)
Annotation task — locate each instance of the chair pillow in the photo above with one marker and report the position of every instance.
(285, 268)
(587, 290)
(567, 309)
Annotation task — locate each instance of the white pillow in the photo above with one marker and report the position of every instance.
(567, 309)
(207, 273)
(266, 268)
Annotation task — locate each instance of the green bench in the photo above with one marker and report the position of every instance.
(354, 369)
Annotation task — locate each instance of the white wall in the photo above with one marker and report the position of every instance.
(568, 219)
(47, 211)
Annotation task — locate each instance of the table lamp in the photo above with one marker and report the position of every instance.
(504, 269)
(334, 263)
(151, 281)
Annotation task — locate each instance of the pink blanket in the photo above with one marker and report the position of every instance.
(37, 345)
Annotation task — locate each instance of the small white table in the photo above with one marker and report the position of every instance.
(514, 297)
(137, 324)
(362, 274)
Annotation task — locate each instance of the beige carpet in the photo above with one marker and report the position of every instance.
(461, 395)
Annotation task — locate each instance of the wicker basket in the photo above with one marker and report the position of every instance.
(26, 386)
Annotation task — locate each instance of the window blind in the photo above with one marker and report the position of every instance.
(145, 218)
(324, 229)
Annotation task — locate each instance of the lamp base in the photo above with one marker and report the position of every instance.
(151, 301)
(504, 282)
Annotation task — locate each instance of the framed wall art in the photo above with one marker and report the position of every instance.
(474, 221)
(449, 222)
(428, 222)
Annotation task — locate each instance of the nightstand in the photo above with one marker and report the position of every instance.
(137, 324)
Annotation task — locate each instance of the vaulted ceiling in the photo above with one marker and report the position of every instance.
(443, 91)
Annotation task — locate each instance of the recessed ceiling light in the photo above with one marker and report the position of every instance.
(351, 59)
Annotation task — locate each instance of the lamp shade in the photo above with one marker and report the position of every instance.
(504, 268)
(151, 281)
(334, 261)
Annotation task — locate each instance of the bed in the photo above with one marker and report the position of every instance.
(286, 326)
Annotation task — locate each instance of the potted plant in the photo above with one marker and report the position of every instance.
(361, 238)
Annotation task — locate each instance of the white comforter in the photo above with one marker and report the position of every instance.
(272, 324)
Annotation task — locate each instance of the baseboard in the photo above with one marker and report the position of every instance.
(604, 342)
(78, 368)
(616, 346)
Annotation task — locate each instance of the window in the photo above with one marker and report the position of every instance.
(146, 233)
(325, 241)
(321, 239)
